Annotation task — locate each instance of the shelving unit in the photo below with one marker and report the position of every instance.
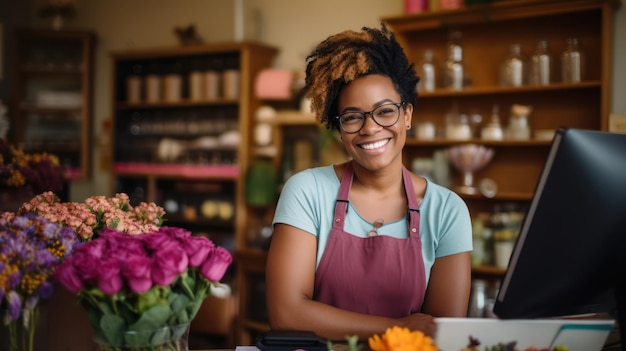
(190, 154)
(53, 85)
(487, 32)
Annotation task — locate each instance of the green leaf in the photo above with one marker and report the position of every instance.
(152, 318)
(193, 308)
(148, 299)
(112, 328)
(178, 302)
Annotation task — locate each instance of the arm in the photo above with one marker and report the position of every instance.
(449, 286)
(290, 275)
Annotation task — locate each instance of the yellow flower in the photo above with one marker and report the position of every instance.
(402, 339)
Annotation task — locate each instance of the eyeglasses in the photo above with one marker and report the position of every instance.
(384, 115)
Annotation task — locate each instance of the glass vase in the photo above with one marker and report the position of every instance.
(168, 338)
(19, 335)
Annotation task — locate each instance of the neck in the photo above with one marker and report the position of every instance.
(388, 179)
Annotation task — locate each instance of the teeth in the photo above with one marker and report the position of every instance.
(375, 145)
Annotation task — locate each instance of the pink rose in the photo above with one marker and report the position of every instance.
(136, 271)
(176, 233)
(168, 264)
(109, 279)
(85, 265)
(94, 248)
(67, 276)
(198, 249)
(159, 241)
(216, 265)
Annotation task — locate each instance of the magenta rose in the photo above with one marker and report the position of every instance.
(176, 233)
(216, 265)
(159, 241)
(198, 249)
(168, 264)
(109, 278)
(136, 272)
(85, 265)
(67, 276)
(95, 248)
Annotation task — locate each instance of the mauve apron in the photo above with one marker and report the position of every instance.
(378, 275)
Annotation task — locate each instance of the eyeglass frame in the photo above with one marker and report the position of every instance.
(399, 105)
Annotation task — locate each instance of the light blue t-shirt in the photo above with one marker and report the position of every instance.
(307, 202)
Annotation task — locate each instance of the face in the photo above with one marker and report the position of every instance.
(374, 147)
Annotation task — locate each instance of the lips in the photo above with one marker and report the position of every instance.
(374, 145)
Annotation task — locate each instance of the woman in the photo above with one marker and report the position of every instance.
(365, 245)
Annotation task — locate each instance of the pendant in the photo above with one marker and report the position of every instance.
(377, 224)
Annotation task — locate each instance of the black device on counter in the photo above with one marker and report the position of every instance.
(289, 340)
(570, 255)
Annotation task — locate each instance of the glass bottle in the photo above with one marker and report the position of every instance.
(427, 72)
(518, 128)
(540, 65)
(572, 62)
(477, 299)
(493, 129)
(454, 62)
(513, 67)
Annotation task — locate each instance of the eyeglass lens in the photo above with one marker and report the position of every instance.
(385, 115)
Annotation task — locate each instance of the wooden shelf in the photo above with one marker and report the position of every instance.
(498, 90)
(178, 181)
(39, 71)
(495, 143)
(489, 272)
(176, 104)
(177, 170)
(293, 118)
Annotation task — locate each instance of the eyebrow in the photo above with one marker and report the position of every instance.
(377, 104)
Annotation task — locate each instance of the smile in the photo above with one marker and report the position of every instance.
(375, 145)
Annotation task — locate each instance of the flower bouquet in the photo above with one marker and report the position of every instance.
(22, 175)
(141, 292)
(30, 248)
(97, 213)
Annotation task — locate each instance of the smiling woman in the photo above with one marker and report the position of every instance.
(325, 260)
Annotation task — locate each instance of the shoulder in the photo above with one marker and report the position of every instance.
(442, 194)
(312, 177)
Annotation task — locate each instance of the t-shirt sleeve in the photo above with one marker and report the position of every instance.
(296, 206)
(456, 228)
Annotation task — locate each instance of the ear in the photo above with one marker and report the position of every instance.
(408, 114)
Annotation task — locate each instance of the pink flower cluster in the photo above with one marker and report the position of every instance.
(96, 213)
(116, 261)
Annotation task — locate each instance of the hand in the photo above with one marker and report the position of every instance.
(419, 321)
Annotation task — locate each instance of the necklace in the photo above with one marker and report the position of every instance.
(377, 224)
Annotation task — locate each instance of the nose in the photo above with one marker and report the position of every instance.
(369, 125)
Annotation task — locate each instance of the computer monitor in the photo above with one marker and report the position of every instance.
(570, 255)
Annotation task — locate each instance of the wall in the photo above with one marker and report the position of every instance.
(294, 26)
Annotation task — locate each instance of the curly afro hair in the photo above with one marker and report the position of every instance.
(348, 55)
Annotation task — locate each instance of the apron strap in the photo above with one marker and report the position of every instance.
(341, 205)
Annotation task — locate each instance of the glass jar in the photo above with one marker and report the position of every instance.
(493, 129)
(427, 72)
(477, 298)
(513, 67)
(518, 128)
(454, 62)
(503, 243)
(572, 62)
(540, 65)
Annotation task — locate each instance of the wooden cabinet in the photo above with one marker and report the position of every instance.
(289, 127)
(53, 85)
(487, 32)
(182, 120)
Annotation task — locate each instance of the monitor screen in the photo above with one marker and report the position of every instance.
(570, 254)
